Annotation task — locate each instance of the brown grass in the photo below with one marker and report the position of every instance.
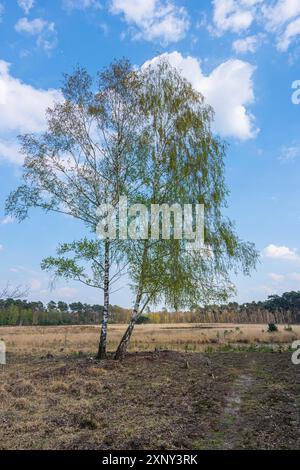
(71, 340)
(55, 395)
(150, 401)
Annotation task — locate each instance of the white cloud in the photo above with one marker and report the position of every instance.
(248, 44)
(228, 89)
(22, 110)
(80, 4)
(233, 15)
(153, 20)
(291, 32)
(33, 27)
(283, 18)
(280, 12)
(26, 5)
(44, 31)
(279, 17)
(1, 247)
(282, 253)
(9, 151)
(7, 220)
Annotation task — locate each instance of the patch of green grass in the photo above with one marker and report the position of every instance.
(246, 348)
(229, 419)
(212, 442)
(198, 445)
(217, 440)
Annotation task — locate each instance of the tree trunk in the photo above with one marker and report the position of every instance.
(122, 348)
(103, 335)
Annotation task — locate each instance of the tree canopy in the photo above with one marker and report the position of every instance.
(146, 135)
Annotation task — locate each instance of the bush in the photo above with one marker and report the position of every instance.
(272, 327)
(142, 319)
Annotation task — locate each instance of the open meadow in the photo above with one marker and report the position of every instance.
(180, 387)
(76, 340)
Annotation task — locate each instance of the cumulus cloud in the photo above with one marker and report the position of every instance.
(22, 110)
(26, 5)
(23, 105)
(280, 12)
(9, 151)
(248, 44)
(282, 253)
(153, 20)
(282, 18)
(228, 89)
(291, 32)
(233, 15)
(33, 27)
(44, 31)
(279, 17)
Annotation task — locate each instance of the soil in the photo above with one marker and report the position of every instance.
(161, 400)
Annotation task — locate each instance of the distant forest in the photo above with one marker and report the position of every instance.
(278, 309)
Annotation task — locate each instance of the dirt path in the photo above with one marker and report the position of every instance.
(227, 433)
(232, 418)
(261, 406)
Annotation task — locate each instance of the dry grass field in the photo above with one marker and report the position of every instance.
(180, 387)
(58, 340)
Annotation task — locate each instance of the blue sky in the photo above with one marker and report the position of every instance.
(243, 55)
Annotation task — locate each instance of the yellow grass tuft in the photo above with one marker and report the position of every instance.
(96, 371)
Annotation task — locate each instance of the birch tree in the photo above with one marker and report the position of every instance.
(83, 160)
(184, 164)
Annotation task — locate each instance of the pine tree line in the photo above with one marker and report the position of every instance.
(283, 309)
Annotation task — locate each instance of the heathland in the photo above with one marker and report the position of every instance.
(182, 386)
